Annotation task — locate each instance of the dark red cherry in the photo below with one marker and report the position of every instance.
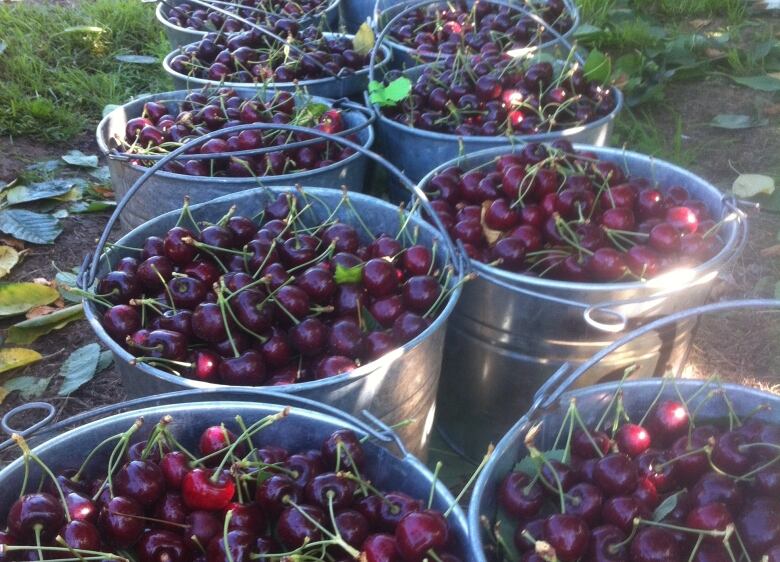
(121, 521)
(519, 496)
(632, 439)
(395, 507)
(293, 528)
(728, 456)
(588, 445)
(568, 535)
(759, 525)
(584, 500)
(713, 487)
(330, 488)
(653, 544)
(140, 480)
(274, 492)
(80, 535)
(419, 532)
(381, 547)
(616, 474)
(620, 511)
(201, 491)
(35, 511)
(163, 546)
(605, 545)
(667, 421)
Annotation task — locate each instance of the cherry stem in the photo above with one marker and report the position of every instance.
(712, 533)
(225, 543)
(369, 487)
(116, 456)
(336, 538)
(103, 555)
(614, 548)
(186, 213)
(341, 448)
(92, 453)
(28, 454)
(581, 423)
(696, 546)
(436, 472)
(470, 481)
(154, 438)
(659, 467)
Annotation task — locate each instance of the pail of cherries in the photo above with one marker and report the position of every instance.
(336, 296)
(217, 477)
(636, 471)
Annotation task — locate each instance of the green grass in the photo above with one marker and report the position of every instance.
(58, 73)
(639, 132)
(733, 10)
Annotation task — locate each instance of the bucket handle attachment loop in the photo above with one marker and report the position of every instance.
(5, 421)
(385, 433)
(564, 377)
(89, 277)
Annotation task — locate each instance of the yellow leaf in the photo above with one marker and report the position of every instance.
(750, 185)
(364, 39)
(8, 259)
(3, 394)
(14, 357)
(17, 298)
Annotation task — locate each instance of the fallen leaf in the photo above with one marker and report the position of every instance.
(79, 368)
(364, 39)
(28, 387)
(771, 251)
(27, 331)
(38, 228)
(38, 191)
(750, 185)
(18, 298)
(65, 281)
(737, 121)
(9, 257)
(762, 82)
(105, 192)
(13, 242)
(39, 311)
(105, 361)
(15, 357)
(78, 158)
(109, 108)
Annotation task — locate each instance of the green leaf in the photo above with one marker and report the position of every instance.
(311, 112)
(81, 207)
(36, 191)
(18, 298)
(78, 158)
(751, 185)
(587, 31)
(736, 121)
(762, 82)
(368, 322)
(136, 59)
(67, 279)
(667, 506)
(352, 274)
(528, 465)
(101, 174)
(105, 361)
(46, 166)
(507, 526)
(364, 39)
(29, 387)
(28, 331)
(396, 91)
(79, 368)
(29, 226)
(15, 357)
(9, 257)
(598, 67)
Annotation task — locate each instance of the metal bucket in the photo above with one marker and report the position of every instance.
(510, 331)
(165, 191)
(354, 13)
(550, 406)
(398, 386)
(405, 57)
(179, 36)
(333, 87)
(306, 426)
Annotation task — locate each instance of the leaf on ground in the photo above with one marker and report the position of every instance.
(15, 357)
(364, 39)
(101, 174)
(39, 311)
(27, 331)
(46, 166)
(105, 361)
(79, 368)
(28, 387)
(64, 281)
(762, 82)
(587, 31)
(78, 158)
(29, 226)
(598, 67)
(9, 257)
(136, 59)
(37, 191)
(18, 298)
(737, 121)
(81, 207)
(750, 185)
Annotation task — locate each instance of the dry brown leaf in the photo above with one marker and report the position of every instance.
(771, 251)
(42, 281)
(13, 242)
(104, 192)
(699, 23)
(60, 302)
(490, 235)
(40, 311)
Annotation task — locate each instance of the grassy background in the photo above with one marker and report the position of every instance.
(58, 69)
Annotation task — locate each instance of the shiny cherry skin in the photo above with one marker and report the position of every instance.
(568, 535)
(632, 439)
(35, 511)
(343, 447)
(121, 521)
(616, 474)
(519, 497)
(421, 531)
(142, 481)
(653, 544)
(381, 547)
(81, 535)
(160, 545)
(293, 528)
(201, 491)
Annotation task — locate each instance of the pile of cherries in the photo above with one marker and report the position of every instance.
(455, 27)
(163, 127)
(254, 57)
(548, 211)
(275, 303)
(660, 490)
(157, 502)
(202, 18)
(493, 94)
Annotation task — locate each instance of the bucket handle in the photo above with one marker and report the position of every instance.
(338, 104)
(414, 5)
(618, 320)
(87, 276)
(381, 432)
(565, 377)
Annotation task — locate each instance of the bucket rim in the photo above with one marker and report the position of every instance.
(178, 95)
(273, 85)
(726, 253)
(93, 317)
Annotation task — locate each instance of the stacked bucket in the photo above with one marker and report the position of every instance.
(501, 336)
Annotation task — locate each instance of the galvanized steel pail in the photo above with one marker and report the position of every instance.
(552, 401)
(510, 331)
(165, 191)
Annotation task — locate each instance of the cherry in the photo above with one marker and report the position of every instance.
(293, 528)
(727, 456)
(119, 287)
(713, 487)
(200, 491)
(121, 320)
(247, 517)
(330, 488)
(758, 525)
(712, 552)
(519, 497)
(248, 369)
(163, 546)
(318, 284)
(710, 517)
(421, 531)
(180, 321)
(121, 521)
(554, 472)
(343, 448)
(683, 219)
(309, 336)
(334, 365)
(420, 293)
(646, 494)
(81, 508)
(616, 474)
(239, 544)
(171, 508)
(667, 421)
(417, 260)
(273, 493)
(689, 466)
(607, 264)
(381, 547)
(352, 526)
(177, 250)
(588, 445)
(620, 511)
(568, 535)
(632, 439)
(342, 236)
(584, 500)
(653, 544)
(80, 535)
(31, 512)
(659, 468)
(534, 529)
(187, 292)
(379, 277)
(346, 339)
(664, 238)
(605, 544)
(408, 326)
(768, 481)
(142, 481)
(395, 507)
